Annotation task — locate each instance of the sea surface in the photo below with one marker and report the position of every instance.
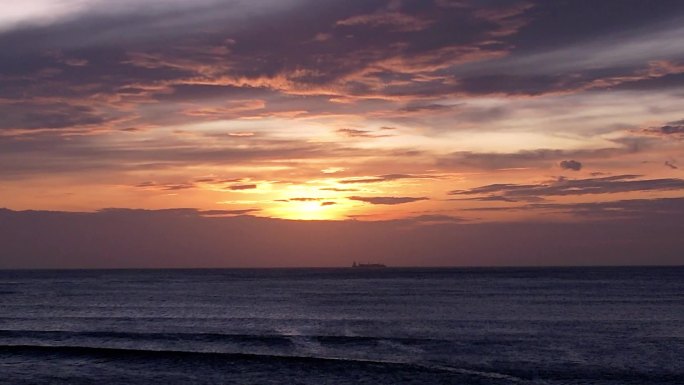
(344, 326)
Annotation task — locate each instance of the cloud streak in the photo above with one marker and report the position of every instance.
(387, 200)
(364, 106)
(571, 165)
(574, 187)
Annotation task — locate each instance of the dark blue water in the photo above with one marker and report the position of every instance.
(344, 326)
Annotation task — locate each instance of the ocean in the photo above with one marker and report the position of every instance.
(603, 325)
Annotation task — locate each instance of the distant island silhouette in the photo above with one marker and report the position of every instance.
(358, 265)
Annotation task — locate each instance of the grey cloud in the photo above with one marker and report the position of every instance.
(387, 200)
(339, 189)
(433, 107)
(498, 187)
(551, 42)
(632, 208)
(305, 199)
(215, 41)
(510, 84)
(132, 60)
(174, 212)
(212, 50)
(537, 158)
(212, 180)
(568, 187)
(191, 238)
(643, 76)
(674, 129)
(165, 186)
(175, 187)
(24, 116)
(193, 184)
(435, 219)
(56, 154)
(354, 133)
(571, 165)
(385, 178)
(555, 23)
(652, 210)
(220, 213)
(239, 187)
(486, 198)
(671, 82)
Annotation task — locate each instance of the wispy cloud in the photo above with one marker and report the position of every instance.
(672, 129)
(385, 178)
(175, 104)
(572, 187)
(571, 165)
(387, 200)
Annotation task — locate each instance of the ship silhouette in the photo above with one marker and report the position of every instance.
(357, 265)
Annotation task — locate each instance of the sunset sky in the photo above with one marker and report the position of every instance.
(409, 113)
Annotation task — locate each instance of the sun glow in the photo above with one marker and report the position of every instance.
(309, 211)
(302, 202)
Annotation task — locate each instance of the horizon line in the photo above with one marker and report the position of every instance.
(465, 267)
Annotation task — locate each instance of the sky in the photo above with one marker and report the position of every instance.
(419, 132)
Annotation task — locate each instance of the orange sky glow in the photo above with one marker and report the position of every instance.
(464, 111)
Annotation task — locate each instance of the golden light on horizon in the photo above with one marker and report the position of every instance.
(310, 210)
(304, 202)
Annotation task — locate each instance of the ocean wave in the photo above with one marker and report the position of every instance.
(239, 367)
(128, 354)
(502, 373)
(274, 339)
